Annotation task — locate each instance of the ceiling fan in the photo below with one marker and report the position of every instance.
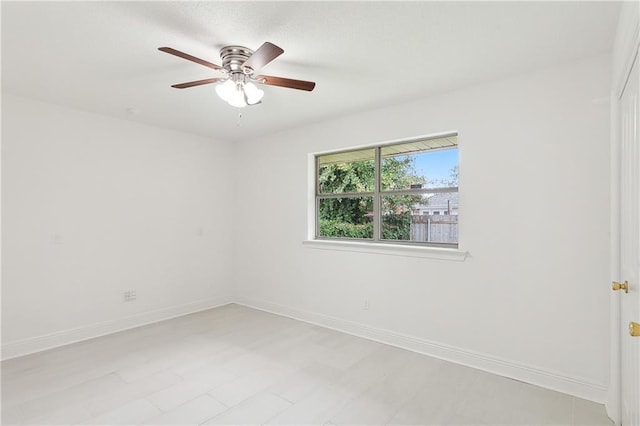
(238, 67)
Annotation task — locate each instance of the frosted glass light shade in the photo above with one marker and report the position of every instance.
(237, 98)
(239, 94)
(226, 89)
(254, 95)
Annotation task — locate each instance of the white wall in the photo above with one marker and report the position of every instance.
(532, 299)
(94, 206)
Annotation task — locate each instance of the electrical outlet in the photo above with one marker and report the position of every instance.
(129, 295)
(366, 305)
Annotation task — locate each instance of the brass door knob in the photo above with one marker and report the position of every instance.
(620, 286)
(634, 329)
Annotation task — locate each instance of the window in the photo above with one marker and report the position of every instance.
(383, 194)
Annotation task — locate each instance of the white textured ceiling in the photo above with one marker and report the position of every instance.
(102, 56)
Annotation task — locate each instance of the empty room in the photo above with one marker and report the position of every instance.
(320, 213)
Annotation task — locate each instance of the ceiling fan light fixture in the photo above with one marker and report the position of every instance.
(254, 95)
(231, 91)
(225, 90)
(237, 99)
(237, 92)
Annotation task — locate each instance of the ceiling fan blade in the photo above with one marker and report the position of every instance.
(261, 57)
(188, 57)
(286, 82)
(198, 83)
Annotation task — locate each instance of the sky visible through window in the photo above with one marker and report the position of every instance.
(436, 166)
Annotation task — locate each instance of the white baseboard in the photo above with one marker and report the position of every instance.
(575, 386)
(65, 337)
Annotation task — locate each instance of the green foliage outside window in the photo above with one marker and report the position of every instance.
(351, 217)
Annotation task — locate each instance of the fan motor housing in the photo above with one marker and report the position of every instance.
(233, 57)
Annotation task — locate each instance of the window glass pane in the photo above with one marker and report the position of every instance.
(342, 172)
(396, 215)
(431, 163)
(408, 218)
(417, 191)
(348, 217)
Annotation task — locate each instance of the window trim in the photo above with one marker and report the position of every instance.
(375, 244)
(394, 249)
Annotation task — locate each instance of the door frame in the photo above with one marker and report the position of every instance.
(625, 52)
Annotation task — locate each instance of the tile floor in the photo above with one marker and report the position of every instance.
(236, 365)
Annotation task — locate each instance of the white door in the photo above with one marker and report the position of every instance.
(630, 246)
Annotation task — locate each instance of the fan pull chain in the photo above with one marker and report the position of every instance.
(239, 119)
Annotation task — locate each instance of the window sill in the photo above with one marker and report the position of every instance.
(389, 249)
